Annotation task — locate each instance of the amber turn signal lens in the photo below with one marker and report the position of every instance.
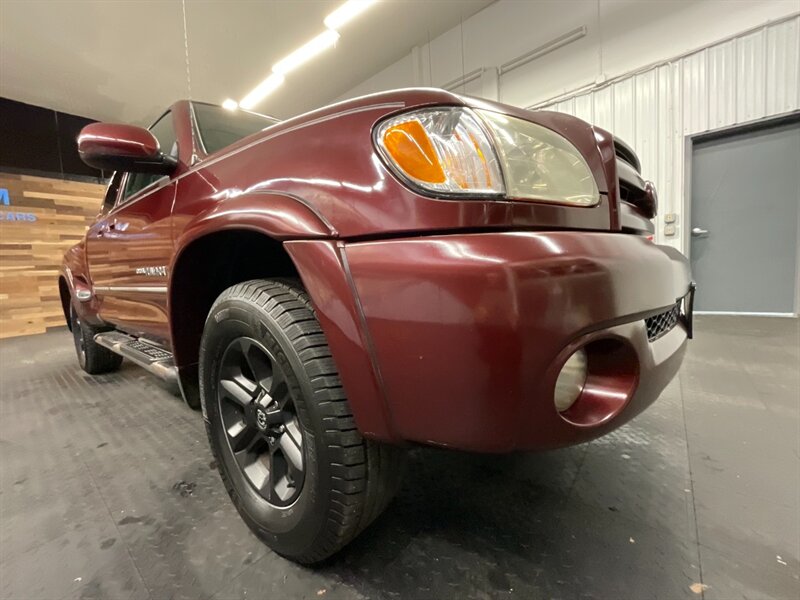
(441, 150)
(412, 150)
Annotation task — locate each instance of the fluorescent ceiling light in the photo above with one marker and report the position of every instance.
(346, 12)
(342, 15)
(306, 52)
(261, 91)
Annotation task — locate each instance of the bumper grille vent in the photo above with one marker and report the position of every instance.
(660, 324)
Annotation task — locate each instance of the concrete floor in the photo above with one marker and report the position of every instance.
(108, 490)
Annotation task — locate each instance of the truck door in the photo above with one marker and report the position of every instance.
(130, 249)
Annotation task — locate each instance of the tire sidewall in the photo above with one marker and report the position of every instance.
(76, 322)
(292, 529)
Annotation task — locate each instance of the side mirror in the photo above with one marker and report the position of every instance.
(116, 147)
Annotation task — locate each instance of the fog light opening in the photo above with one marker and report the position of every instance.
(596, 382)
(571, 380)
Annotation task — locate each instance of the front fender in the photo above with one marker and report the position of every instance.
(277, 215)
(323, 270)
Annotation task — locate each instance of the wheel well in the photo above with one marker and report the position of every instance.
(63, 291)
(206, 268)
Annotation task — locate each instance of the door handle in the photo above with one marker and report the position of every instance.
(699, 232)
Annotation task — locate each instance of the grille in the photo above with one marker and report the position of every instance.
(660, 324)
(626, 153)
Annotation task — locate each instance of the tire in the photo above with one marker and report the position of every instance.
(92, 357)
(326, 483)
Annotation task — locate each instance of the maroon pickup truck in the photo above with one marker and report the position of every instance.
(411, 267)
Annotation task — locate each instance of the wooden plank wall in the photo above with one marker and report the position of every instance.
(31, 250)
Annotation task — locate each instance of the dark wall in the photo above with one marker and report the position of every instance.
(39, 140)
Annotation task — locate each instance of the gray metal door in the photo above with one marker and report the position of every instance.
(745, 220)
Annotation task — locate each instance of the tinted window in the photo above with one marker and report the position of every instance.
(165, 134)
(111, 192)
(220, 127)
(138, 181)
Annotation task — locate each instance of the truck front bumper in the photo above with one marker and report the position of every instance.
(466, 334)
(470, 332)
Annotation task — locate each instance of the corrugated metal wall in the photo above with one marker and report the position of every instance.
(752, 76)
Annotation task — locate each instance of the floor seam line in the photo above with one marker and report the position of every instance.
(691, 487)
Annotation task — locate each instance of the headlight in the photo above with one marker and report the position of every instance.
(458, 151)
(442, 150)
(540, 164)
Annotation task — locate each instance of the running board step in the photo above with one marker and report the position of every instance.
(155, 359)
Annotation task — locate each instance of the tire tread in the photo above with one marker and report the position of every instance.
(98, 359)
(365, 475)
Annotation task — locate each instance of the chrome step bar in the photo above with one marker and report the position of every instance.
(154, 358)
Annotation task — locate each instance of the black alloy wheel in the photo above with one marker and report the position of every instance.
(92, 357)
(260, 420)
(280, 425)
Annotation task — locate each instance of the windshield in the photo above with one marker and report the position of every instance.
(220, 127)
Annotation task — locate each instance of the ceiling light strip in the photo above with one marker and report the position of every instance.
(262, 90)
(347, 12)
(327, 39)
(306, 52)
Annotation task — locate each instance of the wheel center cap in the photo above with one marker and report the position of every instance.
(261, 419)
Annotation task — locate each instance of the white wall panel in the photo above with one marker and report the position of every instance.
(567, 106)
(624, 119)
(721, 69)
(751, 80)
(471, 88)
(603, 101)
(783, 68)
(695, 92)
(620, 36)
(584, 108)
(645, 116)
(749, 77)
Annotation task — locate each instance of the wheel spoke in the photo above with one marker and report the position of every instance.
(259, 473)
(260, 420)
(267, 485)
(276, 382)
(241, 436)
(238, 390)
(259, 363)
(290, 446)
(284, 487)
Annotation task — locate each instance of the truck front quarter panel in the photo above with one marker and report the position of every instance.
(325, 275)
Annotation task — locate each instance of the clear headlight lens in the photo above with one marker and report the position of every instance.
(540, 164)
(442, 150)
(457, 151)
